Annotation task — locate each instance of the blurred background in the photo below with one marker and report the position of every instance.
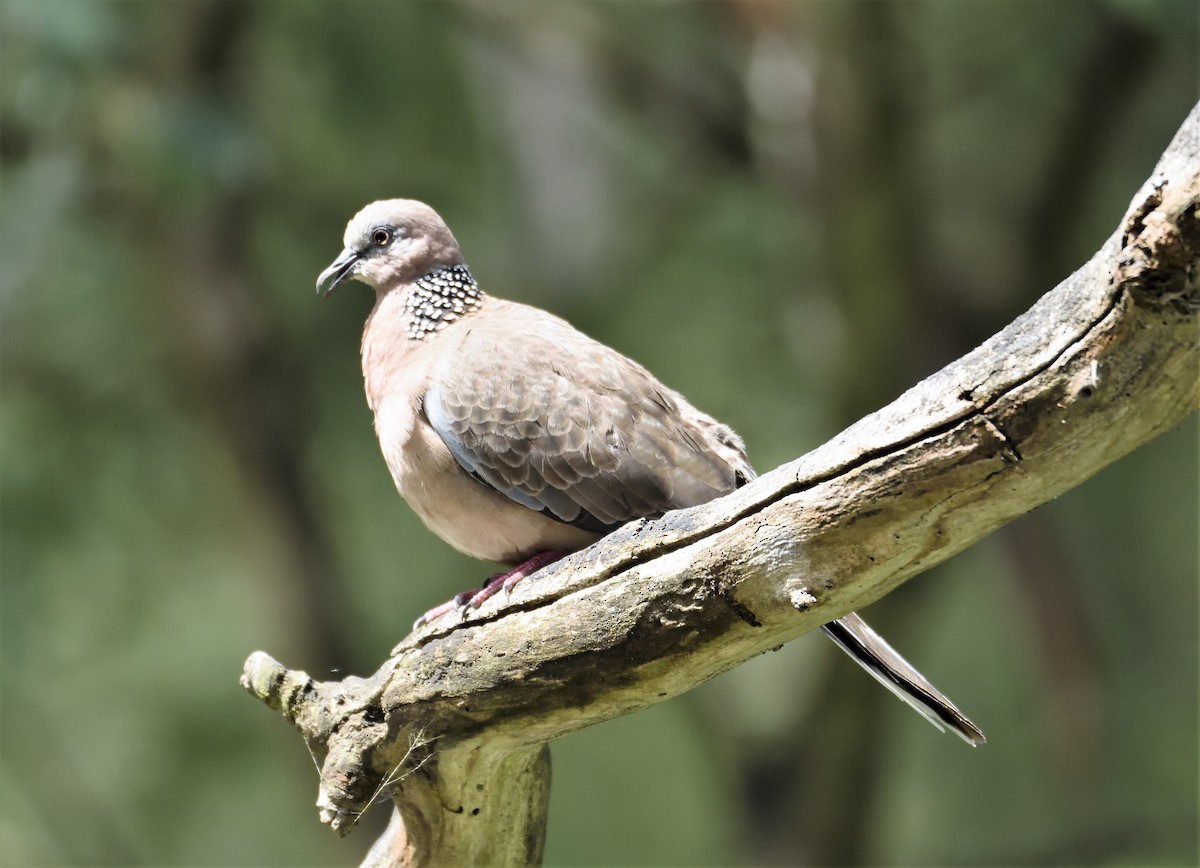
(788, 211)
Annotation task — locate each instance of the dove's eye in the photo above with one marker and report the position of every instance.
(381, 237)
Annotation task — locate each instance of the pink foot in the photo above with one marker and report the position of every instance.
(473, 599)
(507, 581)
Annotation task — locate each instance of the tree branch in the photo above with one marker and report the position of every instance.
(453, 726)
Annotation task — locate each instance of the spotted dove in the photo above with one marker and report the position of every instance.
(517, 439)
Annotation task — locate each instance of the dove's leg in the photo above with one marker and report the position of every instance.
(507, 581)
(498, 582)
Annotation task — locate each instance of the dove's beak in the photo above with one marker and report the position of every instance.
(341, 270)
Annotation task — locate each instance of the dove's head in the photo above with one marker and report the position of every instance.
(391, 243)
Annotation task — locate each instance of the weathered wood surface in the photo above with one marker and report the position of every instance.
(453, 726)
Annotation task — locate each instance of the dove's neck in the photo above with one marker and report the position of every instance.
(406, 321)
(439, 298)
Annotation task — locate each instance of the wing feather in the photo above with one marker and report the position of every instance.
(562, 424)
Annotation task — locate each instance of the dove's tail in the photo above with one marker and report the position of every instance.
(898, 675)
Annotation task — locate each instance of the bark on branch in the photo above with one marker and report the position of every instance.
(454, 725)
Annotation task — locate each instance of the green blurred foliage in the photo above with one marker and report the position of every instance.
(790, 211)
